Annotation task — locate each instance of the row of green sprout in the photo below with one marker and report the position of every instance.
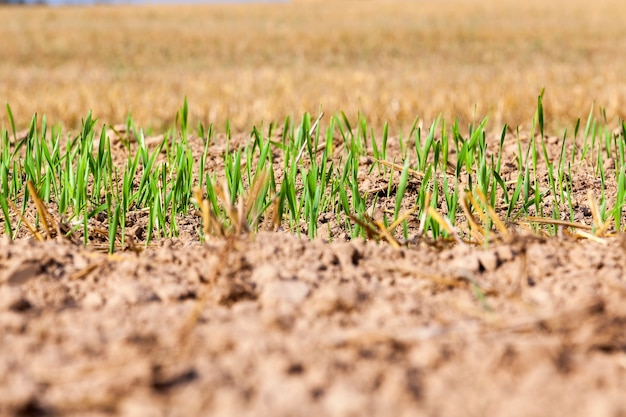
(301, 173)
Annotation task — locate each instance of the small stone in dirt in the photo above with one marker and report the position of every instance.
(348, 255)
(462, 259)
(93, 301)
(264, 274)
(310, 273)
(329, 299)
(488, 260)
(278, 292)
(135, 293)
(174, 292)
(504, 253)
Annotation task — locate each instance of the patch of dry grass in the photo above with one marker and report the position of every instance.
(391, 60)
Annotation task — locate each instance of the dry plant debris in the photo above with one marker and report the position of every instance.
(354, 262)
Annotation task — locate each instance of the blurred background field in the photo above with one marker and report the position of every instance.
(391, 60)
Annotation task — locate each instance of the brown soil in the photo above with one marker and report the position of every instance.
(274, 325)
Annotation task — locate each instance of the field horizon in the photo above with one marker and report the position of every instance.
(391, 61)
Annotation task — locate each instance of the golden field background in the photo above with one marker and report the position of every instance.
(392, 60)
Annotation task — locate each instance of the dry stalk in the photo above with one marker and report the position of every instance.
(475, 229)
(444, 222)
(32, 229)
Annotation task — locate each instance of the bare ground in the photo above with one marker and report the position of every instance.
(277, 325)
